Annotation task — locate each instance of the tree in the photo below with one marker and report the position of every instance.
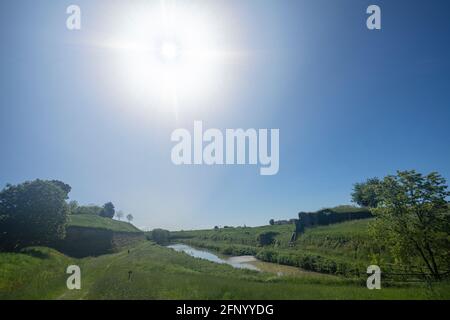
(64, 187)
(412, 219)
(365, 193)
(130, 217)
(108, 210)
(119, 215)
(272, 222)
(73, 206)
(32, 213)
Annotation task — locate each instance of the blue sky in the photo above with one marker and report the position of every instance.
(350, 104)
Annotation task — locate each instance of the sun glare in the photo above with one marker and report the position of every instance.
(169, 51)
(167, 55)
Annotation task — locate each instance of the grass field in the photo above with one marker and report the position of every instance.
(161, 273)
(94, 221)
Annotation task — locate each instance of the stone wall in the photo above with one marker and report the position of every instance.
(83, 242)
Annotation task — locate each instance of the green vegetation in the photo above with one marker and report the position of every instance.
(162, 273)
(266, 238)
(34, 273)
(75, 209)
(412, 220)
(160, 236)
(108, 210)
(343, 248)
(365, 194)
(33, 213)
(407, 230)
(93, 221)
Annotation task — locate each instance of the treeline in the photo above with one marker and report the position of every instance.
(107, 211)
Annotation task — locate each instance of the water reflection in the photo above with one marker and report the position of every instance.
(242, 262)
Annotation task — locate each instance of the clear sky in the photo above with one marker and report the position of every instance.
(87, 107)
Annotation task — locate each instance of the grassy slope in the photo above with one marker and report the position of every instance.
(92, 221)
(348, 240)
(344, 243)
(161, 273)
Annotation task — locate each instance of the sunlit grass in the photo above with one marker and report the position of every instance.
(162, 273)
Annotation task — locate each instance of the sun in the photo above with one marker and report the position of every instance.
(168, 55)
(169, 51)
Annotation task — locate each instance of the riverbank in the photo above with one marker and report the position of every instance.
(242, 262)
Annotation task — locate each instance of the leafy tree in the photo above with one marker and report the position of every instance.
(272, 222)
(108, 210)
(365, 193)
(32, 213)
(412, 220)
(160, 236)
(130, 217)
(119, 215)
(64, 187)
(73, 206)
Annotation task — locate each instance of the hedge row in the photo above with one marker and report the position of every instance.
(229, 250)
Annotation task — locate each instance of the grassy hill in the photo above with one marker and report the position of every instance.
(94, 221)
(162, 273)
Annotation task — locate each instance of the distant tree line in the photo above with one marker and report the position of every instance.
(107, 211)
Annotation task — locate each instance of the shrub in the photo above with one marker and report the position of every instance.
(266, 238)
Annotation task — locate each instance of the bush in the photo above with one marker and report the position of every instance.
(266, 238)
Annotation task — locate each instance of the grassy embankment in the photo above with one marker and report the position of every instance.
(94, 221)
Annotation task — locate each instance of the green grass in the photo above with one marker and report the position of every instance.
(161, 273)
(93, 221)
(36, 273)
